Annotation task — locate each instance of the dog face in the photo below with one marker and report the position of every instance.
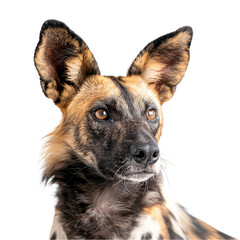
(117, 126)
(111, 124)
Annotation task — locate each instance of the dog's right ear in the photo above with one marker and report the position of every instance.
(63, 61)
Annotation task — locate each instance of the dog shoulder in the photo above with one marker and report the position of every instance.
(171, 221)
(159, 222)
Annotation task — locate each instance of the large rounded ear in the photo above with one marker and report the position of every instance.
(63, 61)
(163, 62)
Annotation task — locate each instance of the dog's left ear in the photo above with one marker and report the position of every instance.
(163, 62)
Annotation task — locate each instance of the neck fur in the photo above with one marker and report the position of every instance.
(92, 205)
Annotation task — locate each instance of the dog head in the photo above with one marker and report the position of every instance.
(110, 124)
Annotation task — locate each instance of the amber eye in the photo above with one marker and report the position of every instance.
(101, 114)
(151, 114)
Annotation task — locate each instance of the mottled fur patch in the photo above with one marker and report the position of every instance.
(108, 169)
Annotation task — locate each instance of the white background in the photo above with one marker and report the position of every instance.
(201, 128)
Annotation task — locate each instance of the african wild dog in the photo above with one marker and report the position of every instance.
(104, 154)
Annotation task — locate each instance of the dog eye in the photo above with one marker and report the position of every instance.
(151, 114)
(101, 114)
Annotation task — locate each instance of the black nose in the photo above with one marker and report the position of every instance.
(145, 153)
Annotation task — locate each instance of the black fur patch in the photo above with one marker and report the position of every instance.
(146, 236)
(167, 221)
(224, 236)
(126, 94)
(198, 229)
(54, 236)
(174, 235)
(160, 237)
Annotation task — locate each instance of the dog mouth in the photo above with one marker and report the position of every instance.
(138, 176)
(138, 173)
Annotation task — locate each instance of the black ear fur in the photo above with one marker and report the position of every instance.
(163, 62)
(63, 61)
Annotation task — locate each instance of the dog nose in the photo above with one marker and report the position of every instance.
(145, 153)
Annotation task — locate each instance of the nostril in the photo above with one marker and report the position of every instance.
(140, 154)
(137, 152)
(155, 154)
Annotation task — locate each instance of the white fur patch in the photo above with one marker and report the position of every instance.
(146, 225)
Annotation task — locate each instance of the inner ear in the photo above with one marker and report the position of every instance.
(163, 62)
(63, 61)
(59, 49)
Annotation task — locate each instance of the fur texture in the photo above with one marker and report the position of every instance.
(104, 155)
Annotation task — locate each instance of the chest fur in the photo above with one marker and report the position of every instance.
(108, 212)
